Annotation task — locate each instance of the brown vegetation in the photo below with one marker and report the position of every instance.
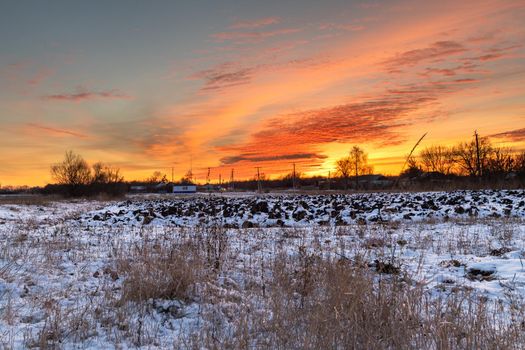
(249, 296)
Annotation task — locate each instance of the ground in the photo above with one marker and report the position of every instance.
(205, 271)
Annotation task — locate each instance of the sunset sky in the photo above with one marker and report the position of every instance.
(150, 85)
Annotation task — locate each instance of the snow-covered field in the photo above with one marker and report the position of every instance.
(66, 267)
(308, 210)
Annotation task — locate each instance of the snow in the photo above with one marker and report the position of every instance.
(60, 256)
(306, 210)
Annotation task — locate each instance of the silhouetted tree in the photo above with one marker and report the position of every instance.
(74, 177)
(289, 178)
(157, 177)
(343, 169)
(413, 170)
(519, 164)
(439, 159)
(187, 178)
(355, 164)
(73, 170)
(500, 162)
(358, 159)
(105, 174)
(468, 153)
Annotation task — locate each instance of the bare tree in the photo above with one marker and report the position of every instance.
(73, 170)
(292, 178)
(343, 166)
(500, 162)
(413, 168)
(439, 159)
(156, 177)
(519, 163)
(103, 173)
(358, 159)
(472, 157)
(187, 178)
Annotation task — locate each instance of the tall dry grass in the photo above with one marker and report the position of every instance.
(261, 299)
(155, 270)
(316, 303)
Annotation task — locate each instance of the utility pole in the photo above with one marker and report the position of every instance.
(171, 174)
(259, 187)
(328, 179)
(220, 181)
(293, 174)
(208, 177)
(232, 185)
(356, 172)
(191, 168)
(479, 171)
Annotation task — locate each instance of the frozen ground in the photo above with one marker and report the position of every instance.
(307, 210)
(60, 281)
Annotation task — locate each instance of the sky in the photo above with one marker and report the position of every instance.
(154, 85)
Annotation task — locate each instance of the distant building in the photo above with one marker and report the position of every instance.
(374, 181)
(185, 189)
(138, 188)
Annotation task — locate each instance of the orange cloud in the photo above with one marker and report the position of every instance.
(512, 135)
(291, 136)
(299, 95)
(437, 50)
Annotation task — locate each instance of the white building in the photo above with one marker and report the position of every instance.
(185, 189)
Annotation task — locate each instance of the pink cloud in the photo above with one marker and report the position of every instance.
(496, 53)
(439, 49)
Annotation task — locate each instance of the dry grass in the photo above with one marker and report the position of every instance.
(156, 270)
(249, 295)
(336, 304)
(29, 199)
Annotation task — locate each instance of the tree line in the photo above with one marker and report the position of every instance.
(75, 177)
(477, 158)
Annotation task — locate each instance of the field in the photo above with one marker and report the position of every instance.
(430, 270)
